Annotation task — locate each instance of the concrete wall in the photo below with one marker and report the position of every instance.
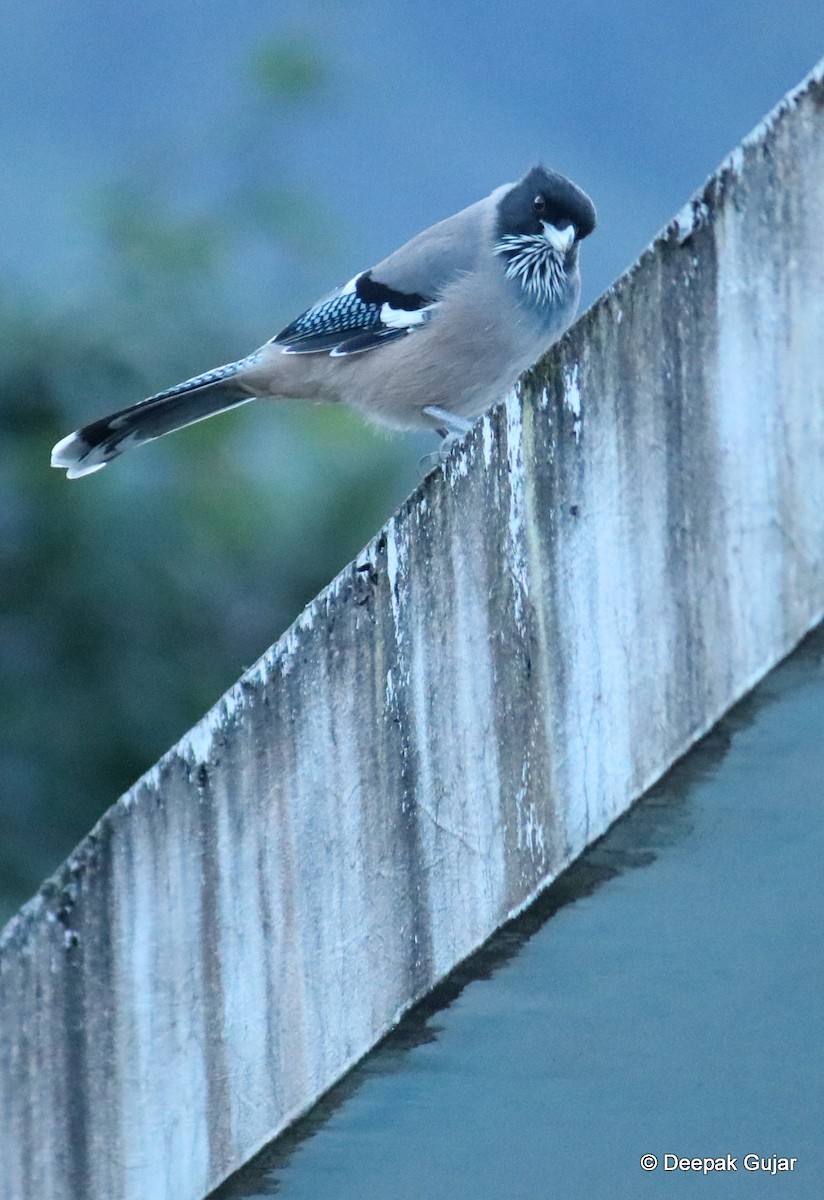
(614, 556)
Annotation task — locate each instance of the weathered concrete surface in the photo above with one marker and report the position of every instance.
(613, 558)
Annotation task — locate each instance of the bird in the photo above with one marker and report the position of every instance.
(428, 338)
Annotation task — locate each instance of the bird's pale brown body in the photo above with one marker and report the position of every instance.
(467, 364)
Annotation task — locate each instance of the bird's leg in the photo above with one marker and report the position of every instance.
(447, 424)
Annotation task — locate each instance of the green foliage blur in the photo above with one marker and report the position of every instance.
(130, 600)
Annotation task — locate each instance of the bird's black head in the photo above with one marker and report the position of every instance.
(544, 198)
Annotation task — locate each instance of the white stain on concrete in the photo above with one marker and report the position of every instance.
(572, 398)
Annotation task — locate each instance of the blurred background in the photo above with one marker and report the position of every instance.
(179, 180)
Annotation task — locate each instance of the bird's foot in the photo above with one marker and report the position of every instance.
(447, 424)
(449, 427)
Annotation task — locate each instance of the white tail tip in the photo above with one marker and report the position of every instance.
(67, 455)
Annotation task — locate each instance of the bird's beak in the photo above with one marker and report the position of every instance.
(559, 239)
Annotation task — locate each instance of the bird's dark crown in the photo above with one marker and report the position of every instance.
(563, 204)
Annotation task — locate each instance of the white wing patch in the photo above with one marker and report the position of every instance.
(403, 318)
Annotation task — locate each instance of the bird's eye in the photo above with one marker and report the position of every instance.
(538, 204)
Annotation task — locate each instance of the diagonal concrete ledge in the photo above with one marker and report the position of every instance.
(613, 557)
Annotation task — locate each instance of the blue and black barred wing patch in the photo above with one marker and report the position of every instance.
(360, 316)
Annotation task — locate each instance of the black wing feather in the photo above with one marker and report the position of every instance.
(350, 322)
(368, 341)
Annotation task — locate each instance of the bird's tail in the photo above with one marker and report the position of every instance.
(91, 448)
